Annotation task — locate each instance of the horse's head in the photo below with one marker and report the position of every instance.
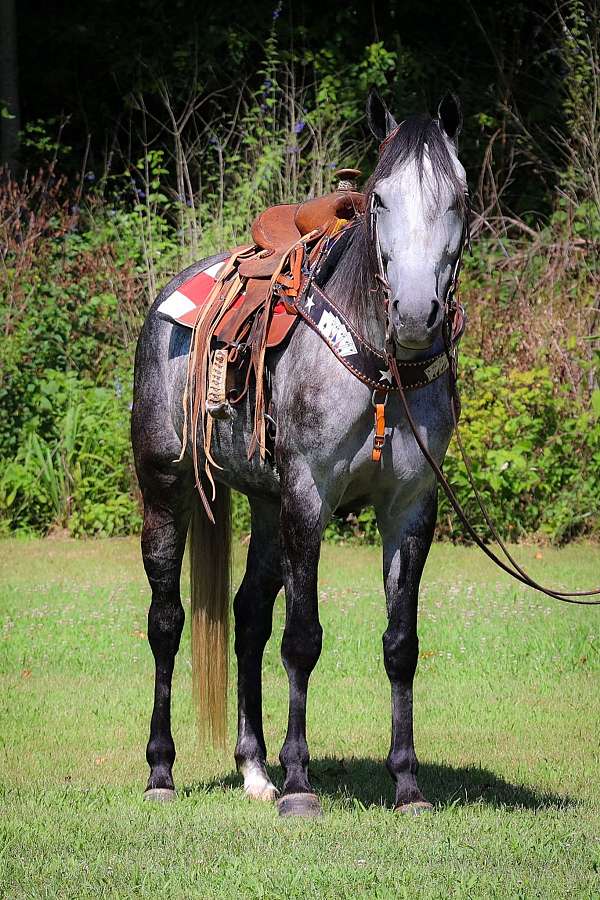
(417, 201)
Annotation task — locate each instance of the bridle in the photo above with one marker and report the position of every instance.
(453, 311)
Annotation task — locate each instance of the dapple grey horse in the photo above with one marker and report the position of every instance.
(321, 463)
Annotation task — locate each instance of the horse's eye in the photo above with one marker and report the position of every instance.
(378, 202)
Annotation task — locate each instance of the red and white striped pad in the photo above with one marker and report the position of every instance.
(183, 305)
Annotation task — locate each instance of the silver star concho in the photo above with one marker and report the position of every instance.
(386, 375)
(309, 303)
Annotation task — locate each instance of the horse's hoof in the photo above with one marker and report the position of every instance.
(303, 806)
(257, 784)
(160, 795)
(267, 794)
(414, 809)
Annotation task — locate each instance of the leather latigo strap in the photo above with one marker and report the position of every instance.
(365, 362)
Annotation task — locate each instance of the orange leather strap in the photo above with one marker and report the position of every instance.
(379, 436)
(289, 284)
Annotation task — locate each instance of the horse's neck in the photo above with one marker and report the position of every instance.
(367, 315)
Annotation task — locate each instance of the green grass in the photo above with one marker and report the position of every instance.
(507, 729)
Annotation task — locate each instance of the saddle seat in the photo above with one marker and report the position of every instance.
(278, 228)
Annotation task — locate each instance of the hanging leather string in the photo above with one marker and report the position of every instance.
(517, 572)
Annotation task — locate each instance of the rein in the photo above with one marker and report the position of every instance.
(516, 571)
(511, 567)
(451, 310)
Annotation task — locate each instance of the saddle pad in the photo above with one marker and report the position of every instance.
(184, 304)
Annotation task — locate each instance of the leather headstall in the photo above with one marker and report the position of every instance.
(365, 362)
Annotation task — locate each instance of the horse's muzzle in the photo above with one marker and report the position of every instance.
(416, 332)
(403, 342)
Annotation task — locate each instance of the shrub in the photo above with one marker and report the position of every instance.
(534, 451)
(72, 469)
(78, 272)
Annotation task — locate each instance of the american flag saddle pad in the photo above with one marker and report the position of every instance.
(184, 304)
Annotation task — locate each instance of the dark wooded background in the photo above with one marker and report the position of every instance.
(85, 61)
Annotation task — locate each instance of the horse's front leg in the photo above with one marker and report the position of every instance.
(407, 534)
(301, 527)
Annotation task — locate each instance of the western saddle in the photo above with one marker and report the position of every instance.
(280, 227)
(251, 309)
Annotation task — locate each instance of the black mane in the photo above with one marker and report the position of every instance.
(354, 281)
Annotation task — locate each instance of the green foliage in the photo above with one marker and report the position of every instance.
(581, 61)
(64, 327)
(535, 455)
(341, 91)
(240, 514)
(70, 323)
(72, 469)
(290, 138)
(42, 139)
(82, 261)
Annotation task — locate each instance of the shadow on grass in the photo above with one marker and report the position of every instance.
(367, 781)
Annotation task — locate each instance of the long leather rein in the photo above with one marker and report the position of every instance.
(511, 567)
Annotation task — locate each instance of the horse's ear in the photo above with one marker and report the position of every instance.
(380, 119)
(450, 115)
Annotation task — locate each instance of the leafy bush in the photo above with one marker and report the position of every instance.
(81, 262)
(534, 451)
(72, 469)
(72, 299)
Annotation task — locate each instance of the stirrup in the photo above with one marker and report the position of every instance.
(217, 404)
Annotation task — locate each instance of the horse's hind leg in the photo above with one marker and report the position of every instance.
(167, 507)
(407, 534)
(253, 608)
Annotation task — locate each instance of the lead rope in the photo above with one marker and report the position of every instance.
(517, 572)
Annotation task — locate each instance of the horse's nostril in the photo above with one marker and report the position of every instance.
(396, 308)
(402, 320)
(435, 306)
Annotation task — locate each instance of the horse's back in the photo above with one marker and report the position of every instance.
(159, 376)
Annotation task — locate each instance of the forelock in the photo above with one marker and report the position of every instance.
(419, 141)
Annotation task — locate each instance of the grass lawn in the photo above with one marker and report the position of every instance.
(507, 727)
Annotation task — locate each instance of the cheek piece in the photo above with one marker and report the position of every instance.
(380, 274)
